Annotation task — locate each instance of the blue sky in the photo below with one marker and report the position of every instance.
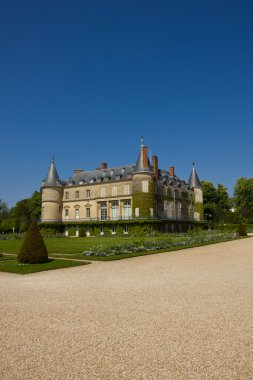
(83, 80)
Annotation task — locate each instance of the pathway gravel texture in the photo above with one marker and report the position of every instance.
(177, 315)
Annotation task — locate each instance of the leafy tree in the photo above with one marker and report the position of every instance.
(21, 215)
(35, 206)
(216, 201)
(222, 197)
(33, 249)
(21, 211)
(4, 211)
(243, 192)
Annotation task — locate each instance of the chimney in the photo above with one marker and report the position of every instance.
(103, 165)
(155, 166)
(144, 150)
(78, 171)
(172, 171)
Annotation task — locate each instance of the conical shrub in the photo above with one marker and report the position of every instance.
(33, 249)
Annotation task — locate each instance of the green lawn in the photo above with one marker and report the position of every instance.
(73, 247)
(8, 264)
(66, 245)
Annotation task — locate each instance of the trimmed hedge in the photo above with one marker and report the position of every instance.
(33, 249)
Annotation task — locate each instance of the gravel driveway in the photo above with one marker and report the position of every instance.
(178, 315)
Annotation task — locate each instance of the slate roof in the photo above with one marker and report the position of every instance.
(139, 166)
(194, 179)
(52, 178)
(101, 175)
(119, 173)
(106, 175)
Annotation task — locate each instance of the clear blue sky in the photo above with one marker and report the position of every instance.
(83, 80)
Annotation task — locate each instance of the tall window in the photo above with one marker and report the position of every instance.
(66, 213)
(126, 190)
(87, 212)
(67, 195)
(77, 213)
(77, 194)
(103, 211)
(145, 186)
(103, 192)
(127, 210)
(151, 210)
(87, 193)
(136, 211)
(114, 190)
(125, 229)
(115, 210)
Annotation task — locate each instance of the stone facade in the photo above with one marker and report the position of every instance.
(134, 192)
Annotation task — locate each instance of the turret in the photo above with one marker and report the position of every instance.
(51, 208)
(144, 198)
(195, 185)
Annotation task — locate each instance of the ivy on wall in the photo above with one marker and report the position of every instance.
(199, 208)
(145, 201)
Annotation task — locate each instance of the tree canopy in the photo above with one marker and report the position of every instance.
(21, 215)
(243, 192)
(216, 201)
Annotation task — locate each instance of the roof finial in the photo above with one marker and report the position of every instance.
(193, 164)
(142, 141)
(53, 159)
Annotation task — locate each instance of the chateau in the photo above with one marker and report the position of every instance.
(117, 199)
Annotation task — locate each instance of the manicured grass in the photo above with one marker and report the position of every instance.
(67, 245)
(73, 247)
(6, 257)
(13, 266)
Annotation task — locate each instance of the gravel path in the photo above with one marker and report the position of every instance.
(178, 315)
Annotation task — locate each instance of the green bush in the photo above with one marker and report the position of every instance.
(82, 232)
(241, 230)
(33, 249)
(72, 231)
(49, 232)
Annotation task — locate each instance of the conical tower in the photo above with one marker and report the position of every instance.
(51, 208)
(195, 185)
(144, 197)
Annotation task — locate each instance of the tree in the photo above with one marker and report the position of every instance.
(243, 192)
(4, 211)
(216, 201)
(33, 249)
(25, 211)
(20, 211)
(222, 197)
(35, 206)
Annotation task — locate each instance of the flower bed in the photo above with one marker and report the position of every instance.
(160, 243)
